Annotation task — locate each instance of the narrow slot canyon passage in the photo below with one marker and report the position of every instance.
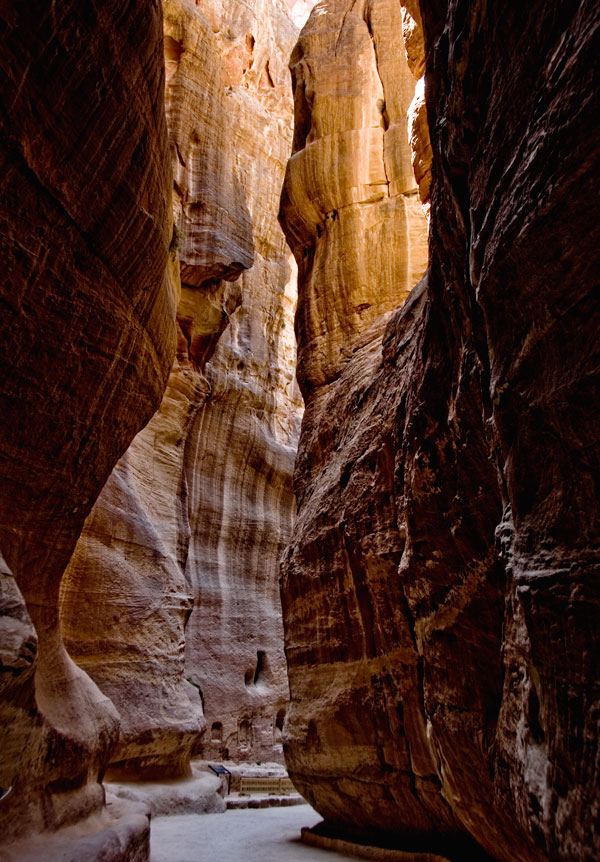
(299, 431)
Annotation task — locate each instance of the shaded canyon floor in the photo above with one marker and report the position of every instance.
(268, 835)
(272, 834)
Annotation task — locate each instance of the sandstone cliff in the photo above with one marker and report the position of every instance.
(245, 442)
(440, 586)
(196, 514)
(353, 216)
(87, 331)
(349, 203)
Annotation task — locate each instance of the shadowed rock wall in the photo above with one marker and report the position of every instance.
(87, 331)
(441, 585)
(198, 511)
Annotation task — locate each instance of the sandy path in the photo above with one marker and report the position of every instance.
(249, 835)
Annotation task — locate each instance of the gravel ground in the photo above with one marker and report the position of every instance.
(249, 835)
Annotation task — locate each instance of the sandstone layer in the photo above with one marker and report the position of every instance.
(350, 203)
(196, 514)
(244, 444)
(352, 214)
(440, 588)
(87, 331)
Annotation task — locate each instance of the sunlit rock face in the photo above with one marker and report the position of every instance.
(198, 511)
(350, 187)
(441, 583)
(87, 331)
(244, 444)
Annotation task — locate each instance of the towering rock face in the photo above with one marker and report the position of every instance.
(514, 250)
(352, 213)
(198, 511)
(243, 445)
(87, 331)
(349, 185)
(439, 589)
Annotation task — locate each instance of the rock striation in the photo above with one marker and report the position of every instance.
(195, 516)
(352, 214)
(87, 331)
(244, 444)
(349, 184)
(440, 585)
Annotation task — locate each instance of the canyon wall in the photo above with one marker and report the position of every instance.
(352, 213)
(87, 330)
(243, 446)
(440, 588)
(178, 562)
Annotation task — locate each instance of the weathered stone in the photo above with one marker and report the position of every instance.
(412, 31)
(356, 225)
(514, 249)
(209, 202)
(200, 793)
(119, 831)
(87, 332)
(441, 582)
(241, 446)
(18, 640)
(349, 185)
(199, 509)
(419, 141)
(356, 737)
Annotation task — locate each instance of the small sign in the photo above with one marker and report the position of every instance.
(220, 770)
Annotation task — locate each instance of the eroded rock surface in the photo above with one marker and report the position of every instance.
(87, 331)
(243, 446)
(351, 211)
(198, 511)
(350, 187)
(441, 583)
